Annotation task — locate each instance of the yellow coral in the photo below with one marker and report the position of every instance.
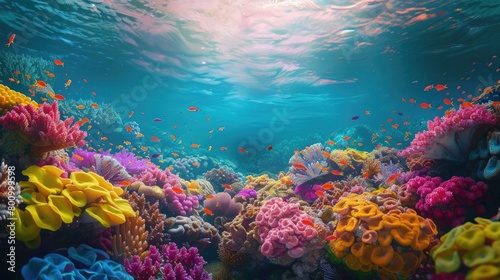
(10, 98)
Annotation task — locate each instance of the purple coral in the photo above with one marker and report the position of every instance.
(222, 205)
(283, 229)
(110, 169)
(132, 164)
(154, 176)
(174, 264)
(176, 202)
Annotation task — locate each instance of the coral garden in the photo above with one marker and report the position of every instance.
(429, 211)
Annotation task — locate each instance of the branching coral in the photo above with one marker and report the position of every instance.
(30, 67)
(130, 238)
(42, 128)
(154, 220)
(102, 115)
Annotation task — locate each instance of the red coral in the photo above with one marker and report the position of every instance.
(43, 128)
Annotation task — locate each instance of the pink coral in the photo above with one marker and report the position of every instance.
(154, 176)
(43, 128)
(450, 137)
(283, 229)
(447, 202)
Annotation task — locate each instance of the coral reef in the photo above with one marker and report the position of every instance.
(309, 164)
(449, 203)
(192, 229)
(221, 204)
(190, 167)
(83, 262)
(30, 68)
(99, 115)
(110, 169)
(173, 263)
(221, 176)
(471, 247)
(451, 137)
(10, 98)
(154, 221)
(42, 128)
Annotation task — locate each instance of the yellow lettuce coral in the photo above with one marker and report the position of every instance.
(10, 98)
(470, 247)
(53, 200)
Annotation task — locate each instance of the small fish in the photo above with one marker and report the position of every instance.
(157, 120)
(466, 104)
(242, 150)
(328, 186)
(270, 147)
(11, 40)
(325, 154)
(85, 80)
(367, 112)
(207, 117)
(89, 127)
(104, 138)
(210, 196)
(93, 93)
(58, 62)
(94, 105)
(17, 72)
(440, 87)
(59, 97)
(128, 128)
(307, 222)
(195, 164)
(78, 157)
(429, 87)
(425, 105)
(80, 107)
(389, 120)
(222, 128)
(392, 178)
(124, 183)
(154, 138)
(331, 237)
(139, 135)
(130, 114)
(41, 83)
(177, 190)
(209, 148)
(447, 102)
(127, 142)
(175, 154)
(347, 137)
(355, 118)
(319, 193)
(299, 166)
(330, 142)
(411, 100)
(173, 137)
(227, 186)
(193, 109)
(67, 84)
(337, 172)
(208, 211)
(28, 76)
(195, 146)
(395, 126)
(223, 148)
(155, 155)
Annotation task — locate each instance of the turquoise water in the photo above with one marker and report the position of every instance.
(266, 76)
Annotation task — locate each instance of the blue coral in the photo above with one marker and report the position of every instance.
(83, 262)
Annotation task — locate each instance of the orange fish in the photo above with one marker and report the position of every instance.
(327, 186)
(325, 154)
(337, 172)
(427, 88)
(403, 99)
(299, 166)
(466, 104)
(226, 186)
(127, 142)
(51, 75)
(347, 137)
(195, 146)
(78, 157)
(124, 183)
(392, 178)
(80, 107)
(307, 222)
(177, 190)
(28, 76)
(330, 142)
(319, 193)
(139, 135)
(11, 40)
(447, 101)
(93, 93)
(411, 100)
(175, 154)
(331, 237)
(41, 83)
(210, 196)
(270, 147)
(440, 87)
(95, 105)
(221, 128)
(154, 138)
(58, 62)
(85, 80)
(130, 114)
(173, 137)
(395, 126)
(104, 138)
(242, 150)
(425, 105)
(67, 84)
(208, 211)
(223, 148)
(196, 164)
(128, 128)
(367, 112)
(389, 120)
(193, 109)
(59, 97)
(12, 79)
(17, 72)
(89, 127)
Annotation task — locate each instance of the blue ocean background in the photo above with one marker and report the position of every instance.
(281, 73)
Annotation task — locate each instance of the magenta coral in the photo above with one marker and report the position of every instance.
(447, 202)
(43, 128)
(283, 229)
(174, 263)
(154, 176)
(178, 203)
(450, 137)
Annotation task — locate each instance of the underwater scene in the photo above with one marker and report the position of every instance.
(250, 140)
